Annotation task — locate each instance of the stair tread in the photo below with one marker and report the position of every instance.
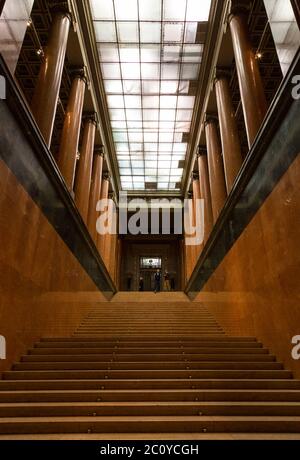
(152, 403)
(141, 418)
(296, 382)
(154, 390)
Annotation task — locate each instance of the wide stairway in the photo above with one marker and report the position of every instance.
(150, 371)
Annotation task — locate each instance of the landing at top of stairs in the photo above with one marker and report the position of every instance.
(148, 296)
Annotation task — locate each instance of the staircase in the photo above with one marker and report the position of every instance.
(151, 371)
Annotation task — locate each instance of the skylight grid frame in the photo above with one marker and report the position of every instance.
(174, 121)
(126, 121)
(180, 66)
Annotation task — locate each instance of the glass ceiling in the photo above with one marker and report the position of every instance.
(150, 52)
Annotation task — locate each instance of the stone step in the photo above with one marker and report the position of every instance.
(155, 340)
(151, 424)
(192, 348)
(147, 365)
(141, 321)
(165, 352)
(149, 395)
(144, 384)
(147, 335)
(180, 328)
(150, 358)
(155, 408)
(147, 374)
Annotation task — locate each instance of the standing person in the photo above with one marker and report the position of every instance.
(172, 283)
(141, 284)
(128, 283)
(157, 279)
(167, 286)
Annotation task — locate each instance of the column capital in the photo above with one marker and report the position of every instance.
(113, 197)
(238, 9)
(80, 72)
(90, 117)
(62, 8)
(201, 151)
(210, 118)
(99, 150)
(106, 176)
(222, 73)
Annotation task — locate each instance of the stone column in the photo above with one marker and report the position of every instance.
(250, 82)
(112, 250)
(197, 210)
(102, 240)
(205, 191)
(46, 93)
(215, 167)
(71, 130)
(231, 147)
(183, 265)
(95, 191)
(83, 180)
(189, 252)
(118, 265)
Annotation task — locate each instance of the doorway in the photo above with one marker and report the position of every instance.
(148, 277)
(148, 267)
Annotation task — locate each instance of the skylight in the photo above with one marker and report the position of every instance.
(150, 53)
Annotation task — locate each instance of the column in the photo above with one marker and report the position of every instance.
(231, 147)
(183, 265)
(112, 250)
(189, 253)
(205, 191)
(197, 210)
(71, 130)
(83, 180)
(250, 83)
(118, 265)
(46, 93)
(95, 191)
(215, 167)
(103, 239)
